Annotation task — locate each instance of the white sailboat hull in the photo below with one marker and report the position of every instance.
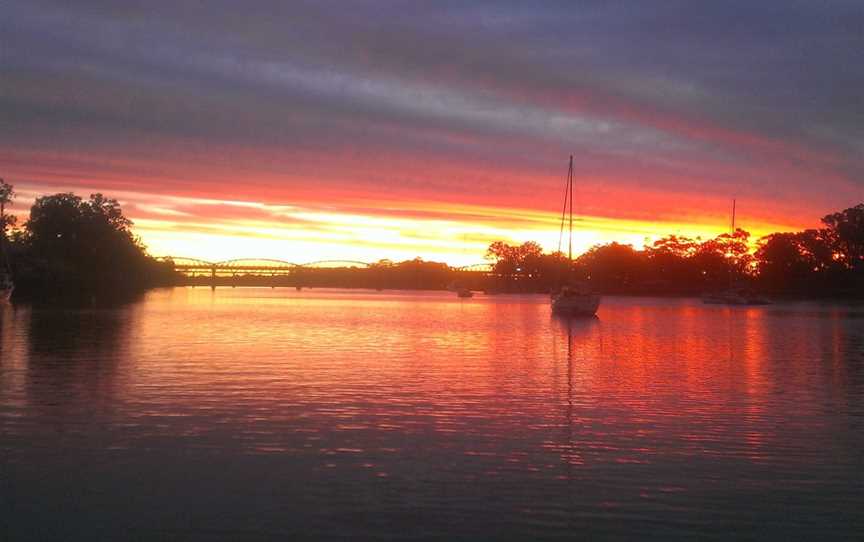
(576, 304)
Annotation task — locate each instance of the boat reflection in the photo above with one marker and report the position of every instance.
(580, 332)
(664, 404)
(583, 341)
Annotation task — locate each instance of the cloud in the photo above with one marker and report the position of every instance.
(670, 108)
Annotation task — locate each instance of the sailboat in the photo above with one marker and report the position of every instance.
(461, 291)
(6, 284)
(6, 287)
(574, 299)
(736, 294)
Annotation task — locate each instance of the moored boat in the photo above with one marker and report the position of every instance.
(575, 299)
(6, 284)
(736, 294)
(572, 301)
(464, 293)
(6, 287)
(735, 297)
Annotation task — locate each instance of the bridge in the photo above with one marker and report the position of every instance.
(258, 266)
(270, 271)
(269, 266)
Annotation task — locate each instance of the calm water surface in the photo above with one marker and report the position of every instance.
(258, 414)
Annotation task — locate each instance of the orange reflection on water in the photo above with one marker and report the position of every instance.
(363, 378)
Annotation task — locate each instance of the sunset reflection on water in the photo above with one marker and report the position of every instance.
(365, 412)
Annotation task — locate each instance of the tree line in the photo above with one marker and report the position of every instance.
(75, 245)
(70, 246)
(827, 261)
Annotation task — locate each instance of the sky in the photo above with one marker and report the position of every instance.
(363, 130)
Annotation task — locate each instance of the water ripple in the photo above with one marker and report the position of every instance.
(249, 414)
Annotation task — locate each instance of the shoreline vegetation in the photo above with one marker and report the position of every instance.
(75, 249)
(72, 248)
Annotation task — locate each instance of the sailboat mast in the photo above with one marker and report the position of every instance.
(564, 209)
(733, 216)
(4, 260)
(570, 197)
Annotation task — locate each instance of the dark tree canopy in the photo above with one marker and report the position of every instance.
(88, 245)
(7, 194)
(525, 267)
(828, 261)
(613, 268)
(792, 261)
(846, 234)
(81, 245)
(94, 232)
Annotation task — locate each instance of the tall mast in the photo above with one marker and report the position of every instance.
(4, 260)
(733, 216)
(564, 210)
(570, 197)
(4, 197)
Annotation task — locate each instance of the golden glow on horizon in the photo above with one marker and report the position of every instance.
(458, 234)
(460, 241)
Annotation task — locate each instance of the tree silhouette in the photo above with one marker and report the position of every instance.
(87, 245)
(81, 245)
(846, 234)
(827, 261)
(613, 268)
(7, 194)
(525, 267)
(790, 261)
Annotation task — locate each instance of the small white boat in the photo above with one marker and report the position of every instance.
(6, 284)
(736, 294)
(576, 299)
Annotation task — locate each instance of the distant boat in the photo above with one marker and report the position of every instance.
(732, 296)
(575, 299)
(461, 291)
(735, 294)
(6, 287)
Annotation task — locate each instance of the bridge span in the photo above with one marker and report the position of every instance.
(274, 272)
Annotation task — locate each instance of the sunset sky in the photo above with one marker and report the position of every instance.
(381, 129)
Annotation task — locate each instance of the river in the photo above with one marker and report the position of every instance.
(270, 414)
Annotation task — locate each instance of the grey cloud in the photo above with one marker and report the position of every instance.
(452, 80)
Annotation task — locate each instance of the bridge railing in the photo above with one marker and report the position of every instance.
(274, 272)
